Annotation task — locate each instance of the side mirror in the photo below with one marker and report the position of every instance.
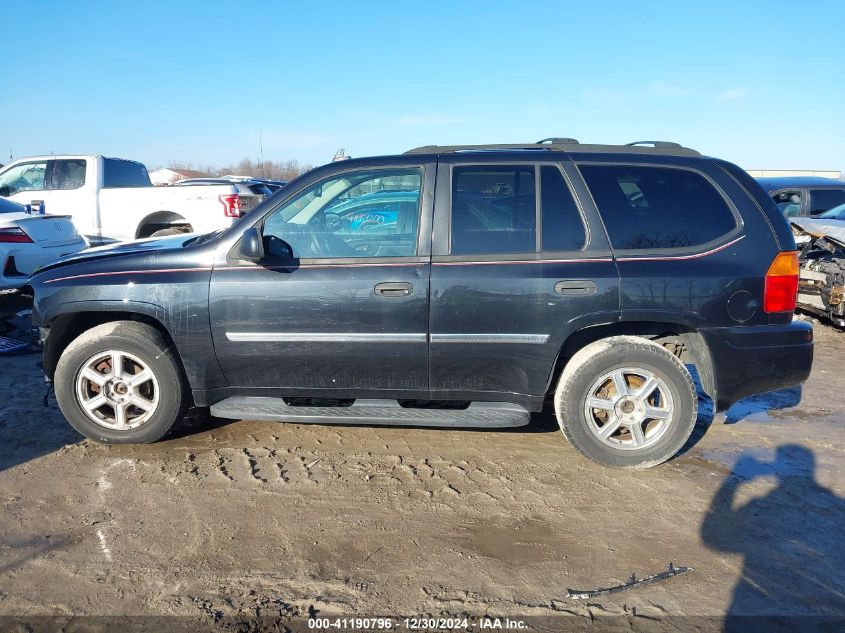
(252, 245)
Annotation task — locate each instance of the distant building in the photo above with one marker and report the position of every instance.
(167, 176)
(777, 173)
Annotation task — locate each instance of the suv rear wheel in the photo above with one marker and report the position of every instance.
(120, 383)
(626, 402)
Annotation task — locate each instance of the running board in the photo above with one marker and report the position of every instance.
(373, 412)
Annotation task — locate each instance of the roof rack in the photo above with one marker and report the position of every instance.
(655, 144)
(566, 145)
(452, 149)
(558, 140)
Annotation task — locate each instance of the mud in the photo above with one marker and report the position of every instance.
(263, 523)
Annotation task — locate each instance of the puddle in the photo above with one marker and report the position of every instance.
(765, 407)
(749, 463)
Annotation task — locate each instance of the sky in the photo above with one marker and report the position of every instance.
(761, 84)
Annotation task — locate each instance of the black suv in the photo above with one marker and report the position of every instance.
(448, 286)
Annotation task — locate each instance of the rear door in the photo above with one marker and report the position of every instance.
(519, 262)
(822, 200)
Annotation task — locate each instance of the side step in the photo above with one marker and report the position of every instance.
(373, 412)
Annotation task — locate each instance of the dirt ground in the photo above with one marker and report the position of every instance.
(253, 525)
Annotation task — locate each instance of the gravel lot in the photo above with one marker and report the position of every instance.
(249, 524)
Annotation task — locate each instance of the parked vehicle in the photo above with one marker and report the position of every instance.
(804, 196)
(596, 276)
(245, 186)
(113, 199)
(271, 184)
(836, 213)
(274, 185)
(29, 241)
(821, 287)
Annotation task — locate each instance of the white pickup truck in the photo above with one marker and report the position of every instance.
(113, 199)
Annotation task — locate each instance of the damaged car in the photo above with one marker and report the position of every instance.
(821, 284)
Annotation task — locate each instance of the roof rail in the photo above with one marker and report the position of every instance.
(569, 145)
(451, 149)
(558, 141)
(655, 144)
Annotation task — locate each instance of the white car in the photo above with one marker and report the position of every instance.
(28, 241)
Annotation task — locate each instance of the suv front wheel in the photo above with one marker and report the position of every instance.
(626, 402)
(119, 383)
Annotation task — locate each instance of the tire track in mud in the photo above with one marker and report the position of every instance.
(417, 478)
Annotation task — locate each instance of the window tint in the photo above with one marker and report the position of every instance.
(23, 177)
(68, 174)
(493, 210)
(823, 199)
(358, 214)
(124, 173)
(563, 229)
(657, 207)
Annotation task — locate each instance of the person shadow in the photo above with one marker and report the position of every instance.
(793, 543)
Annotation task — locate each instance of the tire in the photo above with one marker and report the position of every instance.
(84, 375)
(665, 414)
(174, 230)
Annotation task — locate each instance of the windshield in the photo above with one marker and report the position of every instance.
(836, 213)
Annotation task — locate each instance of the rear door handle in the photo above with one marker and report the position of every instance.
(575, 287)
(394, 289)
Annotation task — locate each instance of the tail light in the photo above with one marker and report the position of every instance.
(15, 235)
(231, 205)
(780, 293)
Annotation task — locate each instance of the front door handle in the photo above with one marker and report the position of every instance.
(575, 287)
(394, 289)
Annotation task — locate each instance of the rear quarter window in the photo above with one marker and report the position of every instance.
(645, 207)
(124, 173)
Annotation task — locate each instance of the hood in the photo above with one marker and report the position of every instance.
(147, 245)
(831, 229)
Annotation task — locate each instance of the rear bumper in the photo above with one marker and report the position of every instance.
(755, 359)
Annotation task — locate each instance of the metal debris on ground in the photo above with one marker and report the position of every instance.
(670, 572)
(821, 286)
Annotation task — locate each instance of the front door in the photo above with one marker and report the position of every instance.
(61, 185)
(340, 302)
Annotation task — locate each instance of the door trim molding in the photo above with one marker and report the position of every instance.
(521, 339)
(325, 337)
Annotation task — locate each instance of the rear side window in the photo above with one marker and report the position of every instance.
(494, 210)
(657, 207)
(124, 173)
(823, 199)
(563, 228)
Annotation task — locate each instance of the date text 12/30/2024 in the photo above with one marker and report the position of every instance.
(417, 624)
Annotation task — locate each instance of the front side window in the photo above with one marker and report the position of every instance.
(789, 203)
(23, 177)
(823, 199)
(657, 207)
(494, 210)
(68, 174)
(356, 214)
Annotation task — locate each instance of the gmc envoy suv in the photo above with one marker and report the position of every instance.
(459, 286)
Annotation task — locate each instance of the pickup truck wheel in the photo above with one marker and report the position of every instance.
(626, 402)
(120, 383)
(173, 230)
